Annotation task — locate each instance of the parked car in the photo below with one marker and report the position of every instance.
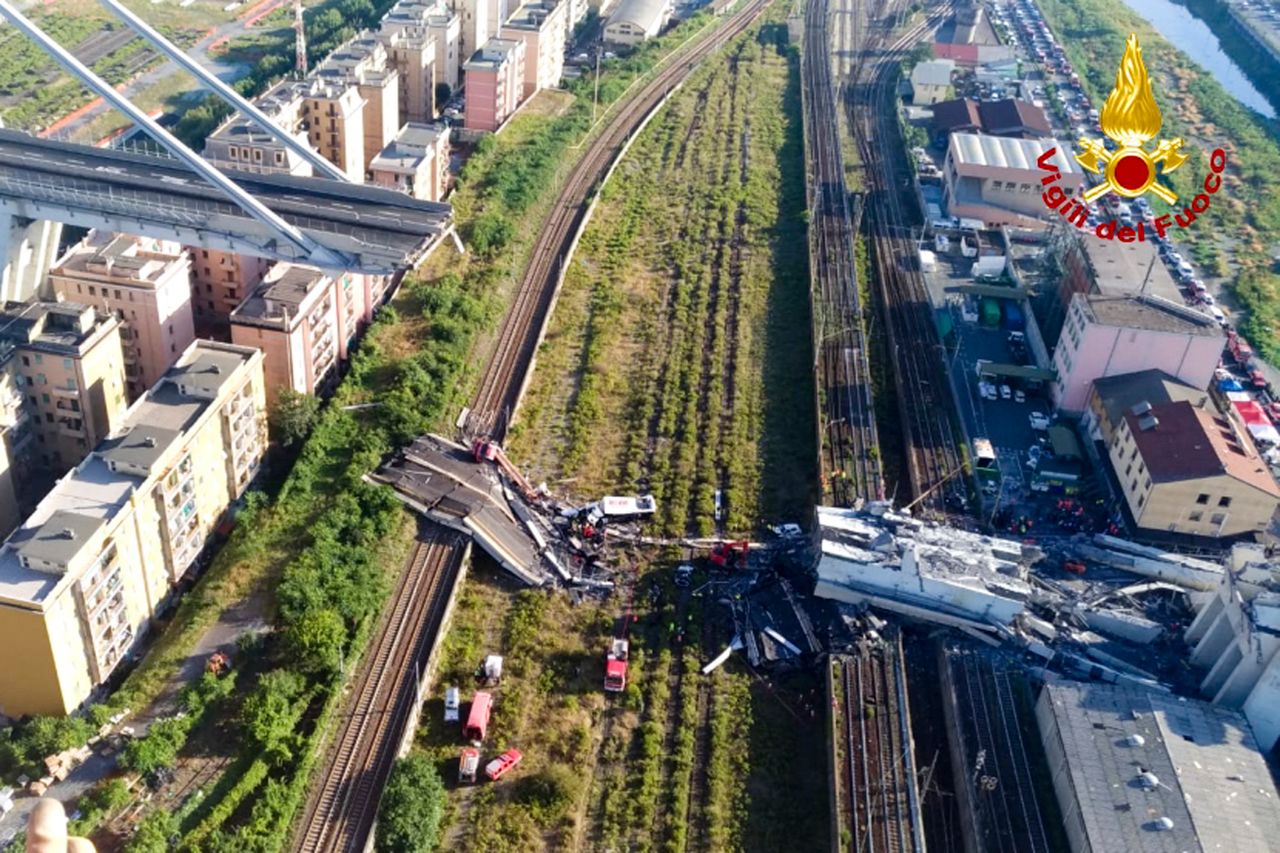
(503, 764)
(1039, 420)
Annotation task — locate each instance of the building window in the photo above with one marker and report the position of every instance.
(39, 358)
(1147, 485)
(208, 288)
(1218, 518)
(231, 276)
(26, 362)
(1195, 516)
(48, 417)
(118, 296)
(66, 364)
(41, 379)
(45, 399)
(204, 253)
(1128, 470)
(1134, 487)
(32, 398)
(1224, 502)
(1202, 499)
(1141, 501)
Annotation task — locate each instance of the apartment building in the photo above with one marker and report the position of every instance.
(1187, 469)
(146, 283)
(66, 362)
(423, 42)
(240, 144)
(1112, 335)
(479, 21)
(495, 87)
(304, 320)
(416, 162)
(543, 26)
(82, 578)
(363, 63)
(219, 283)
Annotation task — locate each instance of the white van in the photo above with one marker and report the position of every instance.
(451, 702)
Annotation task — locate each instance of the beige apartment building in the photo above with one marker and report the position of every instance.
(1187, 469)
(66, 362)
(363, 63)
(240, 144)
(304, 320)
(146, 283)
(416, 162)
(82, 578)
(543, 26)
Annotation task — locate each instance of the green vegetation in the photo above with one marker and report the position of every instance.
(671, 358)
(33, 90)
(1245, 215)
(412, 807)
(292, 416)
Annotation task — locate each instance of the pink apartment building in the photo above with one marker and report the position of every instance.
(494, 83)
(144, 282)
(416, 162)
(1112, 335)
(304, 320)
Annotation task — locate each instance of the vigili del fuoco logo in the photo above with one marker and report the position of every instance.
(1131, 119)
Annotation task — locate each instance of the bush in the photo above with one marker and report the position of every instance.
(292, 416)
(316, 639)
(154, 833)
(549, 795)
(412, 807)
(43, 736)
(159, 748)
(272, 712)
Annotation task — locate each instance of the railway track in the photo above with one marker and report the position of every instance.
(873, 776)
(850, 462)
(916, 351)
(504, 379)
(340, 812)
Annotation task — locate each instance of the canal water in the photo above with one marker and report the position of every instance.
(1194, 38)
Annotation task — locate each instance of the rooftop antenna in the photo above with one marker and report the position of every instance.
(300, 58)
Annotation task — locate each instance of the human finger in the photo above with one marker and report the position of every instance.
(47, 828)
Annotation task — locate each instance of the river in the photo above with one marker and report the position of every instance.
(1194, 38)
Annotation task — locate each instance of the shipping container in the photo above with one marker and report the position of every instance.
(991, 312)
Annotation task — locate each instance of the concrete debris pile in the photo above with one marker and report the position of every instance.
(925, 571)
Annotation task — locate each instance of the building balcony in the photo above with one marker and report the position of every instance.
(67, 393)
(73, 427)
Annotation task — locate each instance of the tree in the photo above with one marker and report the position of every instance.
(315, 640)
(159, 748)
(549, 794)
(272, 711)
(154, 833)
(412, 807)
(44, 736)
(292, 416)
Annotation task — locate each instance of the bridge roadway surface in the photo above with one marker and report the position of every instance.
(381, 229)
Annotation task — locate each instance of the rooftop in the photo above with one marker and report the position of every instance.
(120, 256)
(1119, 394)
(59, 327)
(640, 12)
(1010, 115)
(493, 53)
(282, 298)
(1211, 781)
(1183, 442)
(531, 14)
(933, 72)
(1003, 152)
(1128, 268)
(406, 152)
(1148, 312)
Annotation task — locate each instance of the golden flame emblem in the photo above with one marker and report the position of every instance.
(1131, 118)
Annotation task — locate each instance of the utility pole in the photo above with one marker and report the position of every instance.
(595, 98)
(300, 57)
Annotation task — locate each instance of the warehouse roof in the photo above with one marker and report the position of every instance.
(933, 72)
(1210, 781)
(646, 14)
(1004, 152)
